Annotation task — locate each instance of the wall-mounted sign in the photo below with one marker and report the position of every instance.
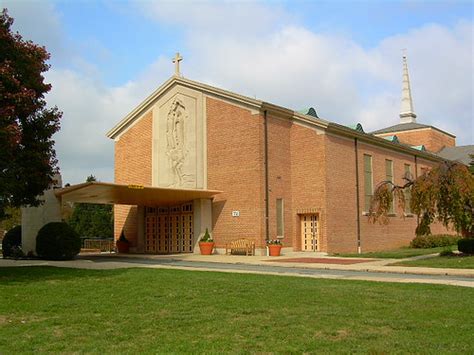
(136, 187)
(235, 213)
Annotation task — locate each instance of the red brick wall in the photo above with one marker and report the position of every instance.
(309, 170)
(279, 176)
(341, 211)
(308, 185)
(132, 166)
(235, 166)
(432, 139)
(341, 195)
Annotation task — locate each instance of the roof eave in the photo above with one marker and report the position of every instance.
(411, 129)
(139, 109)
(348, 132)
(145, 104)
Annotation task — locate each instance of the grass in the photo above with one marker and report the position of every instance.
(452, 262)
(45, 309)
(401, 253)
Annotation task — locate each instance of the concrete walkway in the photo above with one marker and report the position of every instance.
(362, 269)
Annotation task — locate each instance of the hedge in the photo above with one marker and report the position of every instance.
(434, 241)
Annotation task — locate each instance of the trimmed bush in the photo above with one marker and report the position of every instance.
(11, 241)
(466, 245)
(57, 241)
(434, 241)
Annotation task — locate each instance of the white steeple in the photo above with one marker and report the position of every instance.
(407, 115)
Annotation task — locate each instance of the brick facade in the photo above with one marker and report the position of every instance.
(235, 166)
(133, 154)
(310, 169)
(308, 183)
(433, 139)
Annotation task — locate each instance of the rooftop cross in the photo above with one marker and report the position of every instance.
(177, 58)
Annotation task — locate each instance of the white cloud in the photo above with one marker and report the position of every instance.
(347, 83)
(257, 51)
(90, 110)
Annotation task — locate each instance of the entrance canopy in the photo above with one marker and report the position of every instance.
(109, 193)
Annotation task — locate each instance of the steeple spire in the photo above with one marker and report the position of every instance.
(407, 115)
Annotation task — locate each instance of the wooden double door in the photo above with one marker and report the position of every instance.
(169, 229)
(309, 232)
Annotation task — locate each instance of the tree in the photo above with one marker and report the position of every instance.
(445, 193)
(91, 220)
(13, 219)
(27, 157)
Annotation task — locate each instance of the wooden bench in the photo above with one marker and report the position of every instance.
(240, 247)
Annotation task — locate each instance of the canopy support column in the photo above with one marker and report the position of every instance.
(202, 219)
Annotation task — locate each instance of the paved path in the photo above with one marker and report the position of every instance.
(260, 265)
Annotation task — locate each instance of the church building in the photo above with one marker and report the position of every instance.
(193, 157)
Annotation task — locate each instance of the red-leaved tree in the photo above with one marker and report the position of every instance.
(445, 193)
(27, 157)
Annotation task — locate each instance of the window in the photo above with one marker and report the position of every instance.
(280, 221)
(389, 177)
(407, 190)
(368, 181)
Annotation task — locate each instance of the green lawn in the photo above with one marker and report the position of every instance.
(453, 262)
(401, 253)
(45, 309)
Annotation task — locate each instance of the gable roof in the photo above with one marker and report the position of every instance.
(408, 127)
(174, 80)
(262, 106)
(460, 153)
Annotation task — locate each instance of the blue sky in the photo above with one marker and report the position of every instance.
(126, 34)
(344, 57)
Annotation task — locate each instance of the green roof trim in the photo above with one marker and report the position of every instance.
(393, 139)
(310, 111)
(419, 147)
(357, 127)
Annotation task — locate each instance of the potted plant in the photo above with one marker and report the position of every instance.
(274, 247)
(206, 244)
(123, 244)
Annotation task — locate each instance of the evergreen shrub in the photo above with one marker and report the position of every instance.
(57, 241)
(11, 241)
(466, 245)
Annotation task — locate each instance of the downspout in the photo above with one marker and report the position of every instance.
(416, 167)
(359, 249)
(267, 208)
(416, 177)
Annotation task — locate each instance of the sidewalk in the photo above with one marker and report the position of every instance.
(297, 260)
(358, 264)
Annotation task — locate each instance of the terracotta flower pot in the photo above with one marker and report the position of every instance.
(122, 247)
(206, 247)
(274, 249)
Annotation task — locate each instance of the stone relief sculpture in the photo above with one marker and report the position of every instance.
(176, 144)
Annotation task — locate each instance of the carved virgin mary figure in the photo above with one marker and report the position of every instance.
(175, 136)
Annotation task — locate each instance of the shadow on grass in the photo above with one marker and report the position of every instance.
(120, 258)
(29, 274)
